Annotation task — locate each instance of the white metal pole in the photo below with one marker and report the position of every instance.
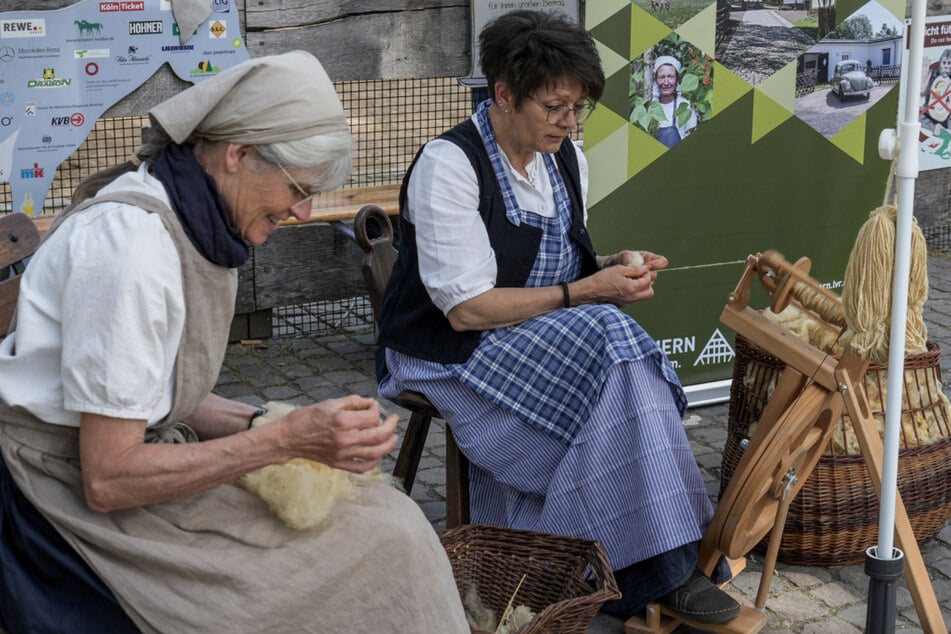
(906, 172)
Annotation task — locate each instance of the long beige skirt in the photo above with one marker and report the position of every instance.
(219, 561)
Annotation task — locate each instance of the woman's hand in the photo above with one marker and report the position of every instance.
(121, 470)
(346, 433)
(624, 278)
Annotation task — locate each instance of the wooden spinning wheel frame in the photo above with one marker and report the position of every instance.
(810, 396)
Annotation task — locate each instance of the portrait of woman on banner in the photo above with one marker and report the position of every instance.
(671, 91)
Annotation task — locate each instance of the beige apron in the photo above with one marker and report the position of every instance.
(219, 560)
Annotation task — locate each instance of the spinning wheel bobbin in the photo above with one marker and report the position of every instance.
(786, 282)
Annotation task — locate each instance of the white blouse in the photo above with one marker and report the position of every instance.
(456, 261)
(100, 315)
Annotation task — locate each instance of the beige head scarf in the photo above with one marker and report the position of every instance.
(262, 100)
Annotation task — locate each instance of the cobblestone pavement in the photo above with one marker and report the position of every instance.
(831, 600)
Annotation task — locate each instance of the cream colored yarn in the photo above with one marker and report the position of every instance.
(867, 292)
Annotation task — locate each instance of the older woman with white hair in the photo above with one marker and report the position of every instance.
(680, 117)
(115, 513)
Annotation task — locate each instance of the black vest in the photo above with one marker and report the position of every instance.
(410, 323)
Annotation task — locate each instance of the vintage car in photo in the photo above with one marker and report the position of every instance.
(849, 80)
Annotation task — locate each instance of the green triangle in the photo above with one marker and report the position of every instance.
(648, 31)
(606, 171)
(851, 139)
(602, 124)
(615, 33)
(767, 115)
(597, 12)
(897, 7)
(615, 97)
(642, 150)
(727, 87)
(701, 29)
(781, 86)
(611, 62)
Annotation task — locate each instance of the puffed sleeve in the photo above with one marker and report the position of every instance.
(123, 313)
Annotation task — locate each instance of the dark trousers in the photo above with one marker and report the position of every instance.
(648, 580)
(45, 586)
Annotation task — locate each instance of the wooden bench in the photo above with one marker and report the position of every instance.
(307, 261)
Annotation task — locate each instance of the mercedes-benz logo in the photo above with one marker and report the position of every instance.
(7, 54)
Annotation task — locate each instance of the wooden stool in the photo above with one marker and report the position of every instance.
(379, 257)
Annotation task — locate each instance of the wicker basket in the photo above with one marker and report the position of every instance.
(835, 516)
(567, 579)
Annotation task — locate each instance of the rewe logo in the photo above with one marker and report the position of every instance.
(23, 28)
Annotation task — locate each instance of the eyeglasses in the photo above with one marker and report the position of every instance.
(559, 112)
(306, 202)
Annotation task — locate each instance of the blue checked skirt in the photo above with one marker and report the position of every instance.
(627, 478)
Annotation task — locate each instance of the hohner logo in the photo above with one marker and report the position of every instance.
(146, 27)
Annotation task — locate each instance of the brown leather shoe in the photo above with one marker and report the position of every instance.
(700, 601)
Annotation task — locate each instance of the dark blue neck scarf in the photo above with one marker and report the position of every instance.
(199, 206)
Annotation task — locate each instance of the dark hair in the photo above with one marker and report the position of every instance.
(527, 50)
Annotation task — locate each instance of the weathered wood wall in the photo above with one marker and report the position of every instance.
(353, 39)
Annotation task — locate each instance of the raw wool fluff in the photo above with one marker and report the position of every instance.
(301, 492)
(482, 619)
(802, 324)
(867, 292)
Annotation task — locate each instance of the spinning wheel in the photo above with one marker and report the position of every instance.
(793, 431)
(776, 468)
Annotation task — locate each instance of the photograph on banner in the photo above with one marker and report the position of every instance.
(849, 70)
(934, 108)
(673, 13)
(60, 70)
(752, 176)
(755, 40)
(671, 90)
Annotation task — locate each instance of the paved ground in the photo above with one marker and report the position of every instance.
(830, 600)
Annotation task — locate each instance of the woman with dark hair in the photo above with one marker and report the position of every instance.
(500, 311)
(116, 512)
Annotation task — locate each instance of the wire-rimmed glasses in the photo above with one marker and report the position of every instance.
(304, 205)
(560, 111)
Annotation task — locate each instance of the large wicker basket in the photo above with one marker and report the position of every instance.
(835, 516)
(567, 580)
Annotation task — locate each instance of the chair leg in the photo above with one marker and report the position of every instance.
(457, 483)
(407, 461)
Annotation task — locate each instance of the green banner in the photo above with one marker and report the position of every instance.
(759, 170)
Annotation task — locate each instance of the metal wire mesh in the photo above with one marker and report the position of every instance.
(938, 238)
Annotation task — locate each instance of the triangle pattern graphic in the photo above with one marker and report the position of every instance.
(647, 33)
(615, 32)
(606, 172)
(767, 115)
(851, 138)
(700, 30)
(597, 12)
(603, 123)
(781, 87)
(643, 149)
(728, 87)
(611, 61)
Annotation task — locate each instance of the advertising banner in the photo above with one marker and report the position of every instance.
(61, 70)
(728, 130)
(934, 112)
(484, 11)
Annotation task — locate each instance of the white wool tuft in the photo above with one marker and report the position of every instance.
(302, 493)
